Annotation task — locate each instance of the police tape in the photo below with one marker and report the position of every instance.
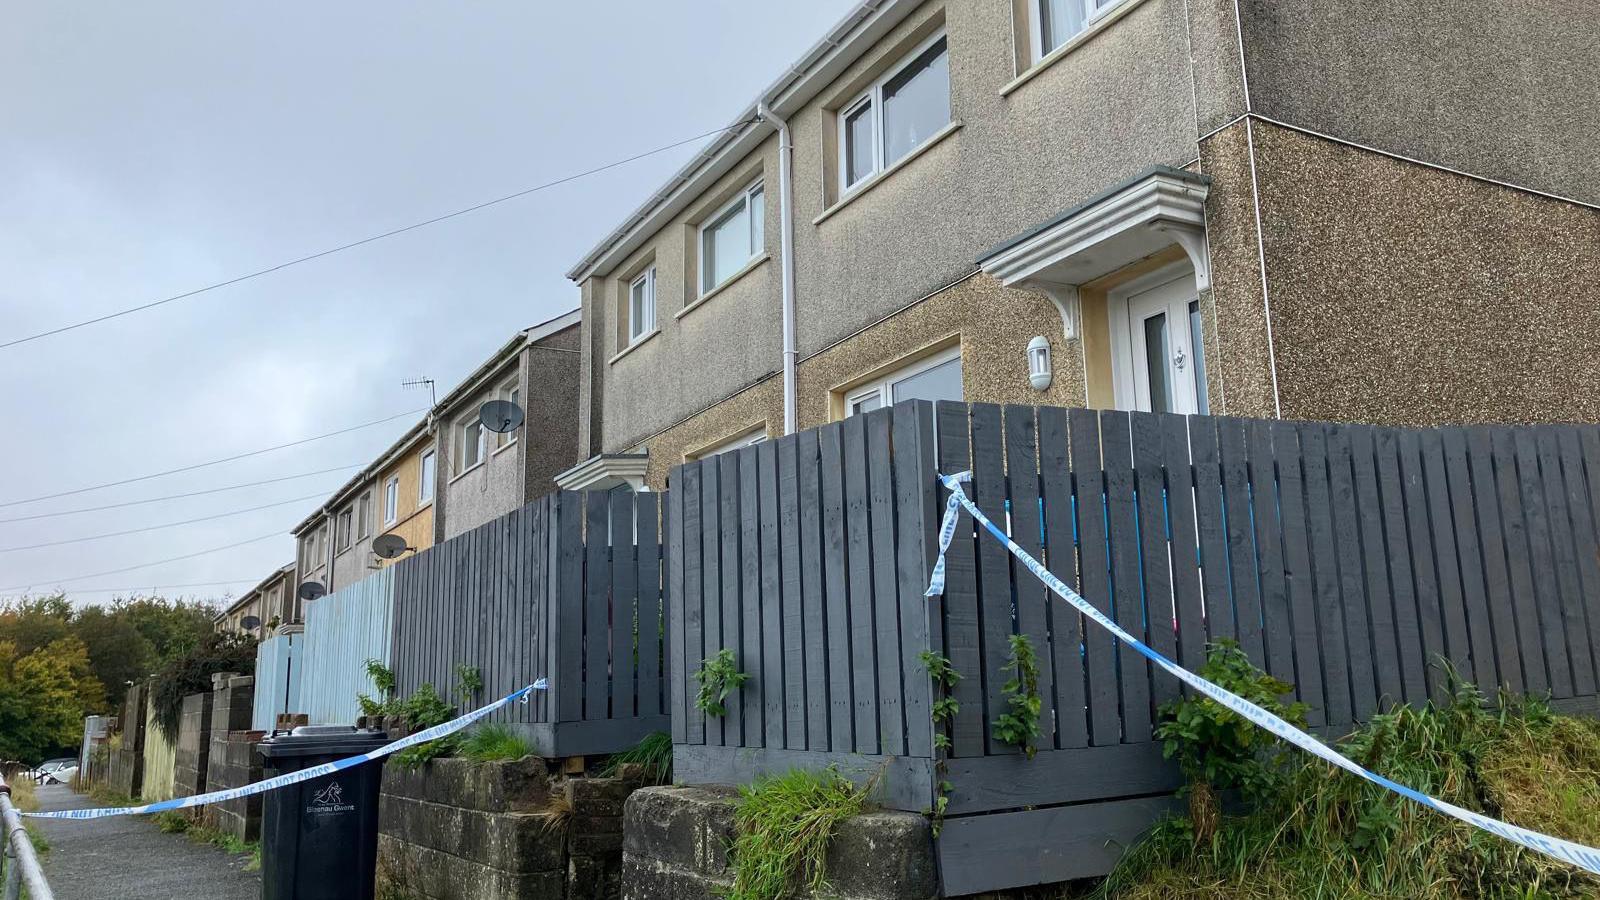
(1575, 854)
(270, 784)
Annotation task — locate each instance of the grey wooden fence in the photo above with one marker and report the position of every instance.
(567, 588)
(1355, 562)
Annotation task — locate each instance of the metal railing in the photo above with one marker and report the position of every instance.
(21, 863)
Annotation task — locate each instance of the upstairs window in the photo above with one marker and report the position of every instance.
(896, 114)
(364, 516)
(731, 237)
(642, 305)
(1059, 21)
(391, 501)
(473, 441)
(508, 391)
(344, 530)
(428, 468)
(935, 378)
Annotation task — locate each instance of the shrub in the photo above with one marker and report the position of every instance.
(719, 676)
(784, 825)
(1019, 724)
(191, 674)
(488, 743)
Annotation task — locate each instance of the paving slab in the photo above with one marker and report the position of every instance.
(129, 858)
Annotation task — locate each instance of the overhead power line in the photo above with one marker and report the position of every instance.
(152, 588)
(218, 490)
(112, 534)
(214, 462)
(60, 581)
(366, 240)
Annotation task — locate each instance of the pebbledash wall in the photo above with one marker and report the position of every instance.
(1394, 237)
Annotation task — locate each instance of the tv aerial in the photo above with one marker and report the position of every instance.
(390, 546)
(250, 623)
(311, 590)
(501, 416)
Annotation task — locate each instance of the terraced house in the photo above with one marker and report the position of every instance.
(1290, 208)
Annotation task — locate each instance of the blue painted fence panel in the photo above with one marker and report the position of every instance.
(343, 631)
(278, 671)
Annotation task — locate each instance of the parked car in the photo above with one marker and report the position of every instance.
(54, 771)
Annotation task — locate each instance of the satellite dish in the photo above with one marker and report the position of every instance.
(389, 546)
(250, 623)
(501, 416)
(311, 590)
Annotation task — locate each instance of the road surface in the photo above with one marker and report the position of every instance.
(129, 858)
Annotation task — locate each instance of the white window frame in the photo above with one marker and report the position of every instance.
(363, 515)
(1093, 12)
(756, 248)
(874, 95)
(512, 391)
(639, 330)
(754, 436)
(424, 483)
(465, 426)
(883, 385)
(391, 500)
(344, 528)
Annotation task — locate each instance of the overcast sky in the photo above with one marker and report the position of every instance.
(151, 148)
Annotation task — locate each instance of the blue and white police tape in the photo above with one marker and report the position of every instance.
(261, 787)
(1566, 851)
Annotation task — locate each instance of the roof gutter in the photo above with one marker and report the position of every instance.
(798, 84)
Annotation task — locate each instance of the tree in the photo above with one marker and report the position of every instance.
(33, 622)
(118, 652)
(43, 697)
(191, 674)
(173, 627)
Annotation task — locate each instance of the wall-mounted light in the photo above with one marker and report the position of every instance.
(1039, 363)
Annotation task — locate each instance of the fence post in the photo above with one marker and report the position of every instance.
(916, 497)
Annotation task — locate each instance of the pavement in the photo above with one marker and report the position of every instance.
(129, 858)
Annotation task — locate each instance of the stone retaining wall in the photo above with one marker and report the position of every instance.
(676, 841)
(194, 746)
(500, 830)
(233, 763)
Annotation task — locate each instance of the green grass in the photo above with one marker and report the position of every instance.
(1328, 834)
(654, 753)
(784, 824)
(487, 743)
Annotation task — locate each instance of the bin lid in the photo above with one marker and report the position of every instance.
(322, 740)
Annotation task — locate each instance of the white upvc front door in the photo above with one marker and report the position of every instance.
(1160, 349)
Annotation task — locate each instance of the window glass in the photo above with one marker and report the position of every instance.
(916, 102)
(425, 488)
(514, 394)
(866, 402)
(859, 152)
(344, 530)
(642, 305)
(758, 220)
(727, 245)
(1156, 360)
(942, 382)
(364, 516)
(391, 501)
(472, 444)
(1062, 20)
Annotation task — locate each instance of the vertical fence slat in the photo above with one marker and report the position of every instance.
(1543, 564)
(994, 564)
(728, 568)
(1473, 557)
(711, 578)
(885, 587)
(1187, 600)
(1061, 552)
(1569, 597)
(1236, 512)
(1352, 583)
(1379, 604)
(1154, 557)
(624, 623)
(961, 634)
(1586, 545)
(841, 731)
(1265, 507)
(1299, 581)
(751, 658)
(1128, 607)
(773, 611)
(1441, 524)
(1329, 611)
(1027, 531)
(815, 624)
(1514, 531)
(1407, 625)
(1424, 567)
(692, 598)
(795, 630)
(648, 581)
(915, 495)
(1211, 528)
(1094, 573)
(858, 552)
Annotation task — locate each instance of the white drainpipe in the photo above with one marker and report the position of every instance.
(785, 192)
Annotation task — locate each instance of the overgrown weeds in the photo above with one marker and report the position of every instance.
(1322, 833)
(488, 743)
(654, 753)
(784, 824)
